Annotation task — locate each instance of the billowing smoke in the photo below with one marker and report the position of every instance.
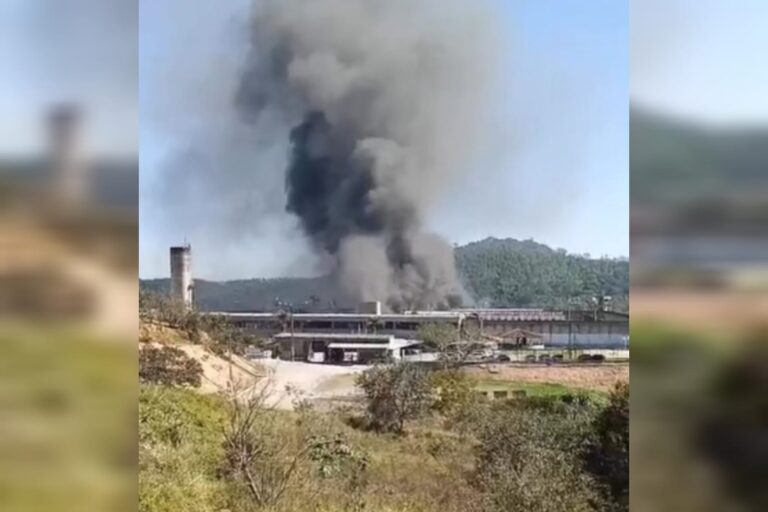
(388, 101)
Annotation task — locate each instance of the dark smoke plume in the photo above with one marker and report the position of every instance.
(388, 100)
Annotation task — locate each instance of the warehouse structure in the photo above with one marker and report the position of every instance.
(507, 327)
(341, 348)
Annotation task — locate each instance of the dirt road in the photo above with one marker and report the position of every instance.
(290, 380)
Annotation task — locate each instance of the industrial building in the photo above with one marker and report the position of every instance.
(341, 348)
(315, 333)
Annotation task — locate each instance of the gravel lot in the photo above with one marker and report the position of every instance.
(291, 379)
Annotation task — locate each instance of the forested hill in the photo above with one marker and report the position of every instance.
(514, 273)
(495, 273)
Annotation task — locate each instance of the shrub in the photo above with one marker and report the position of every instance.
(169, 366)
(274, 461)
(528, 459)
(395, 394)
(179, 450)
(608, 454)
(336, 459)
(265, 460)
(453, 390)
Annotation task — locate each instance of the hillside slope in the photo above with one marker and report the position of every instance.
(494, 272)
(513, 273)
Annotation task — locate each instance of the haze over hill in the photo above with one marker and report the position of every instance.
(494, 272)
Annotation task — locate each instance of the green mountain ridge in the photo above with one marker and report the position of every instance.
(494, 272)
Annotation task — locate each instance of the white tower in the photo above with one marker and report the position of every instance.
(181, 275)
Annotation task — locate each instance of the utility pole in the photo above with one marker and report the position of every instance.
(570, 329)
(293, 337)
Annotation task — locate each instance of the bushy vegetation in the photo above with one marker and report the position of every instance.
(428, 443)
(186, 463)
(528, 458)
(454, 393)
(169, 366)
(214, 331)
(498, 273)
(264, 462)
(608, 455)
(207, 453)
(698, 417)
(395, 394)
(732, 431)
(69, 419)
(180, 450)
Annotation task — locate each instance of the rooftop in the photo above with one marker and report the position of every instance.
(503, 315)
(333, 336)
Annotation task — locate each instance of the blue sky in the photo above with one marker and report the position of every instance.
(701, 59)
(565, 180)
(556, 173)
(80, 51)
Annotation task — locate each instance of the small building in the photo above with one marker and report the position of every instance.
(519, 338)
(340, 348)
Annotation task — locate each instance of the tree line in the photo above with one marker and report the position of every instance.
(493, 272)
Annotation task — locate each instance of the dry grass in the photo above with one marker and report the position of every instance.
(718, 310)
(596, 377)
(424, 471)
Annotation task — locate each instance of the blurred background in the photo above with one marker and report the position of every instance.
(699, 254)
(68, 254)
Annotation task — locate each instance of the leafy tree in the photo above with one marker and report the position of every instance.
(336, 459)
(443, 339)
(395, 394)
(454, 392)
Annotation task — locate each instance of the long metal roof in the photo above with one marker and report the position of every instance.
(358, 346)
(352, 317)
(499, 315)
(333, 336)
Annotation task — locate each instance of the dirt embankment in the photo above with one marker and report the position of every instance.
(220, 374)
(280, 383)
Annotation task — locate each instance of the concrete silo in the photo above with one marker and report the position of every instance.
(70, 173)
(181, 275)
